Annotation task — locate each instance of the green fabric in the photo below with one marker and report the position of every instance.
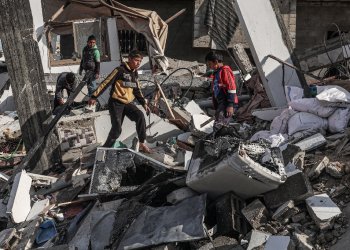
(96, 53)
(119, 144)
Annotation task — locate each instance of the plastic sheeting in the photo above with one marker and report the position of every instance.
(154, 226)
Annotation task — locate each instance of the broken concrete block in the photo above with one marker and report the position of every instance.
(303, 241)
(257, 238)
(297, 187)
(280, 243)
(198, 120)
(6, 236)
(323, 210)
(294, 155)
(228, 214)
(312, 142)
(180, 194)
(256, 214)
(318, 168)
(193, 108)
(335, 169)
(284, 211)
(299, 217)
(18, 205)
(42, 180)
(37, 209)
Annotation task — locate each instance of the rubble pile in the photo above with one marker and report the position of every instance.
(233, 186)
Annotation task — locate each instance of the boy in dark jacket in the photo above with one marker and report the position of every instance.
(225, 98)
(90, 62)
(125, 88)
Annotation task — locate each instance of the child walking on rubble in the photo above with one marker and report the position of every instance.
(125, 88)
(225, 98)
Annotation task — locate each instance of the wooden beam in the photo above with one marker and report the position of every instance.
(170, 19)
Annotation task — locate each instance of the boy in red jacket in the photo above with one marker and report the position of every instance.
(225, 98)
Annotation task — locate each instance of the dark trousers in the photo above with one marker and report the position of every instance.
(118, 111)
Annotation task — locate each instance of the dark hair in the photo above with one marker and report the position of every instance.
(91, 37)
(135, 53)
(213, 56)
(70, 77)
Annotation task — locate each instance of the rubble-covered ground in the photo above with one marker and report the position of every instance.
(273, 178)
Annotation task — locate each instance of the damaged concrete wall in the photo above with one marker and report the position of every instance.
(315, 18)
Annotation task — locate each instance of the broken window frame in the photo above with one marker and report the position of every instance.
(103, 36)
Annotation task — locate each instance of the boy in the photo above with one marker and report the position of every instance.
(65, 80)
(90, 62)
(125, 88)
(225, 98)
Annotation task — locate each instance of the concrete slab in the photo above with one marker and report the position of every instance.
(279, 242)
(323, 210)
(180, 194)
(312, 142)
(268, 114)
(344, 241)
(265, 37)
(18, 205)
(303, 241)
(37, 209)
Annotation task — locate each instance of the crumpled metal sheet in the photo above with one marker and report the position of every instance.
(179, 223)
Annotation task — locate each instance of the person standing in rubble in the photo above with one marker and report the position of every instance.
(225, 98)
(65, 81)
(90, 63)
(125, 87)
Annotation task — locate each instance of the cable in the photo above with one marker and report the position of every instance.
(6, 158)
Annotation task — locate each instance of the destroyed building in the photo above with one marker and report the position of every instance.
(275, 177)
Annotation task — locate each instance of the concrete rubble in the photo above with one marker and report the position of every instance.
(275, 177)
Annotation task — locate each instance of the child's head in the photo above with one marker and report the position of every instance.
(70, 78)
(91, 41)
(214, 59)
(134, 59)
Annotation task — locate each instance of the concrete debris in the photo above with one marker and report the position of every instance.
(279, 242)
(37, 209)
(18, 205)
(317, 169)
(323, 210)
(229, 217)
(257, 239)
(312, 142)
(335, 169)
(256, 214)
(180, 194)
(284, 211)
(296, 187)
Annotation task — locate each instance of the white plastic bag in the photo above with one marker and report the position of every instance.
(313, 106)
(339, 120)
(306, 121)
(279, 125)
(335, 96)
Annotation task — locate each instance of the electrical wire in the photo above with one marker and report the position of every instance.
(6, 158)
